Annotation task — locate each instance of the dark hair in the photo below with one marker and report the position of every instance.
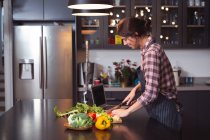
(134, 27)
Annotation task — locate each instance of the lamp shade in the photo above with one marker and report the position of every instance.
(87, 12)
(90, 4)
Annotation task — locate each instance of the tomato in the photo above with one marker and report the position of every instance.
(92, 115)
(110, 114)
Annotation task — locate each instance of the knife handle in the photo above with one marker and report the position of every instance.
(132, 102)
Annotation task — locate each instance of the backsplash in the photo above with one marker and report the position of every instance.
(193, 63)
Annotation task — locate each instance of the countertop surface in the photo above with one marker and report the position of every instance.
(195, 87)
(35, 120)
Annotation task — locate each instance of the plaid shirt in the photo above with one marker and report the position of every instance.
(158, 73)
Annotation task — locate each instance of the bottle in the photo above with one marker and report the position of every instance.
(195, 18)
(202, 21)
(109, 71)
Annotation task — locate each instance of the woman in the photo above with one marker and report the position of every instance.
(160, 95)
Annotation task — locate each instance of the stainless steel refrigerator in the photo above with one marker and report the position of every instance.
(42, 62)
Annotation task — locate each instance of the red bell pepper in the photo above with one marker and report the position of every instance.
(92, 115)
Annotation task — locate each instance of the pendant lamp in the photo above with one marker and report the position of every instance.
(90, 4)
(99, 12)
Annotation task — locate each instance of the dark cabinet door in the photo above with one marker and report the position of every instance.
(203, 115)
(111, 39)
(28, 9)
(90, 28)
(196, 24)
(57, 10)
(189, 123)
(39, 10)
(169, 23)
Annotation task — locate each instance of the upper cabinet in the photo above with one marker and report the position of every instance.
(38, 10)
(169, 24)
(176, 24)
(90, 29)
(28, 9)
(196, 22)
(145, 9)
(119, 11)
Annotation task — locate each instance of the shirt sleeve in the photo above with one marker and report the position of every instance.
(151, 65)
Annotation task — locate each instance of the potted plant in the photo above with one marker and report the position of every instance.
(125, 72)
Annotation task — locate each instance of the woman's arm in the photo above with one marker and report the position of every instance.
(128, 99)
(125, 112)
(132, 93)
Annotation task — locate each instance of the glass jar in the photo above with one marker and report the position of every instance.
(191, 3)
(197, 2)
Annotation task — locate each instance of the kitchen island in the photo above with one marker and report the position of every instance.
(35, 120)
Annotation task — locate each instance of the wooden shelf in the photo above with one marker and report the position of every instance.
(142, 6)
(170, 6)
(120, 6)
(169, 26)
(87, 32)
(195, 6)
(111, 26)
(93, 26)
(196, 26)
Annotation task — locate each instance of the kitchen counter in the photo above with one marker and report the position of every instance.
(195, 87)
(35, 120)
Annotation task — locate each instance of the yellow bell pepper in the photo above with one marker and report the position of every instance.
(102, 123)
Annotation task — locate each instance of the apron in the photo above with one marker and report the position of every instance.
(164, 110)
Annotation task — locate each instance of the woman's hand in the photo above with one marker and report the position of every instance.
(130, 96)
(132, 93)
(120, 112)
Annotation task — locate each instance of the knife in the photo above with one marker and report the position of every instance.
(119, 106)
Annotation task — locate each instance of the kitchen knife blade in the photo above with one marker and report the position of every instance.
(119, 106)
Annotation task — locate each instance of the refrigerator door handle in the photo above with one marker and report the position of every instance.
(40, 64)
(45, 62)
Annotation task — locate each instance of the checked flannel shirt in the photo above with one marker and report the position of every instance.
(158, 73)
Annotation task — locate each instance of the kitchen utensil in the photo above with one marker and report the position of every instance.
(120, 105)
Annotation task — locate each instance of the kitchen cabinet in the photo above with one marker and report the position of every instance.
(203, 114)
(118, 12)
(57, 10)
(169, 25)
(28, 9)
(105, 31)
(189, 102)
(145, 9)
(195, 114)
(90, 29)
(195, 24)
(39, 10)
(175, 24)
(180, 24)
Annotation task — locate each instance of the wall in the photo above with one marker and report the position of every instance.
(193, 63)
